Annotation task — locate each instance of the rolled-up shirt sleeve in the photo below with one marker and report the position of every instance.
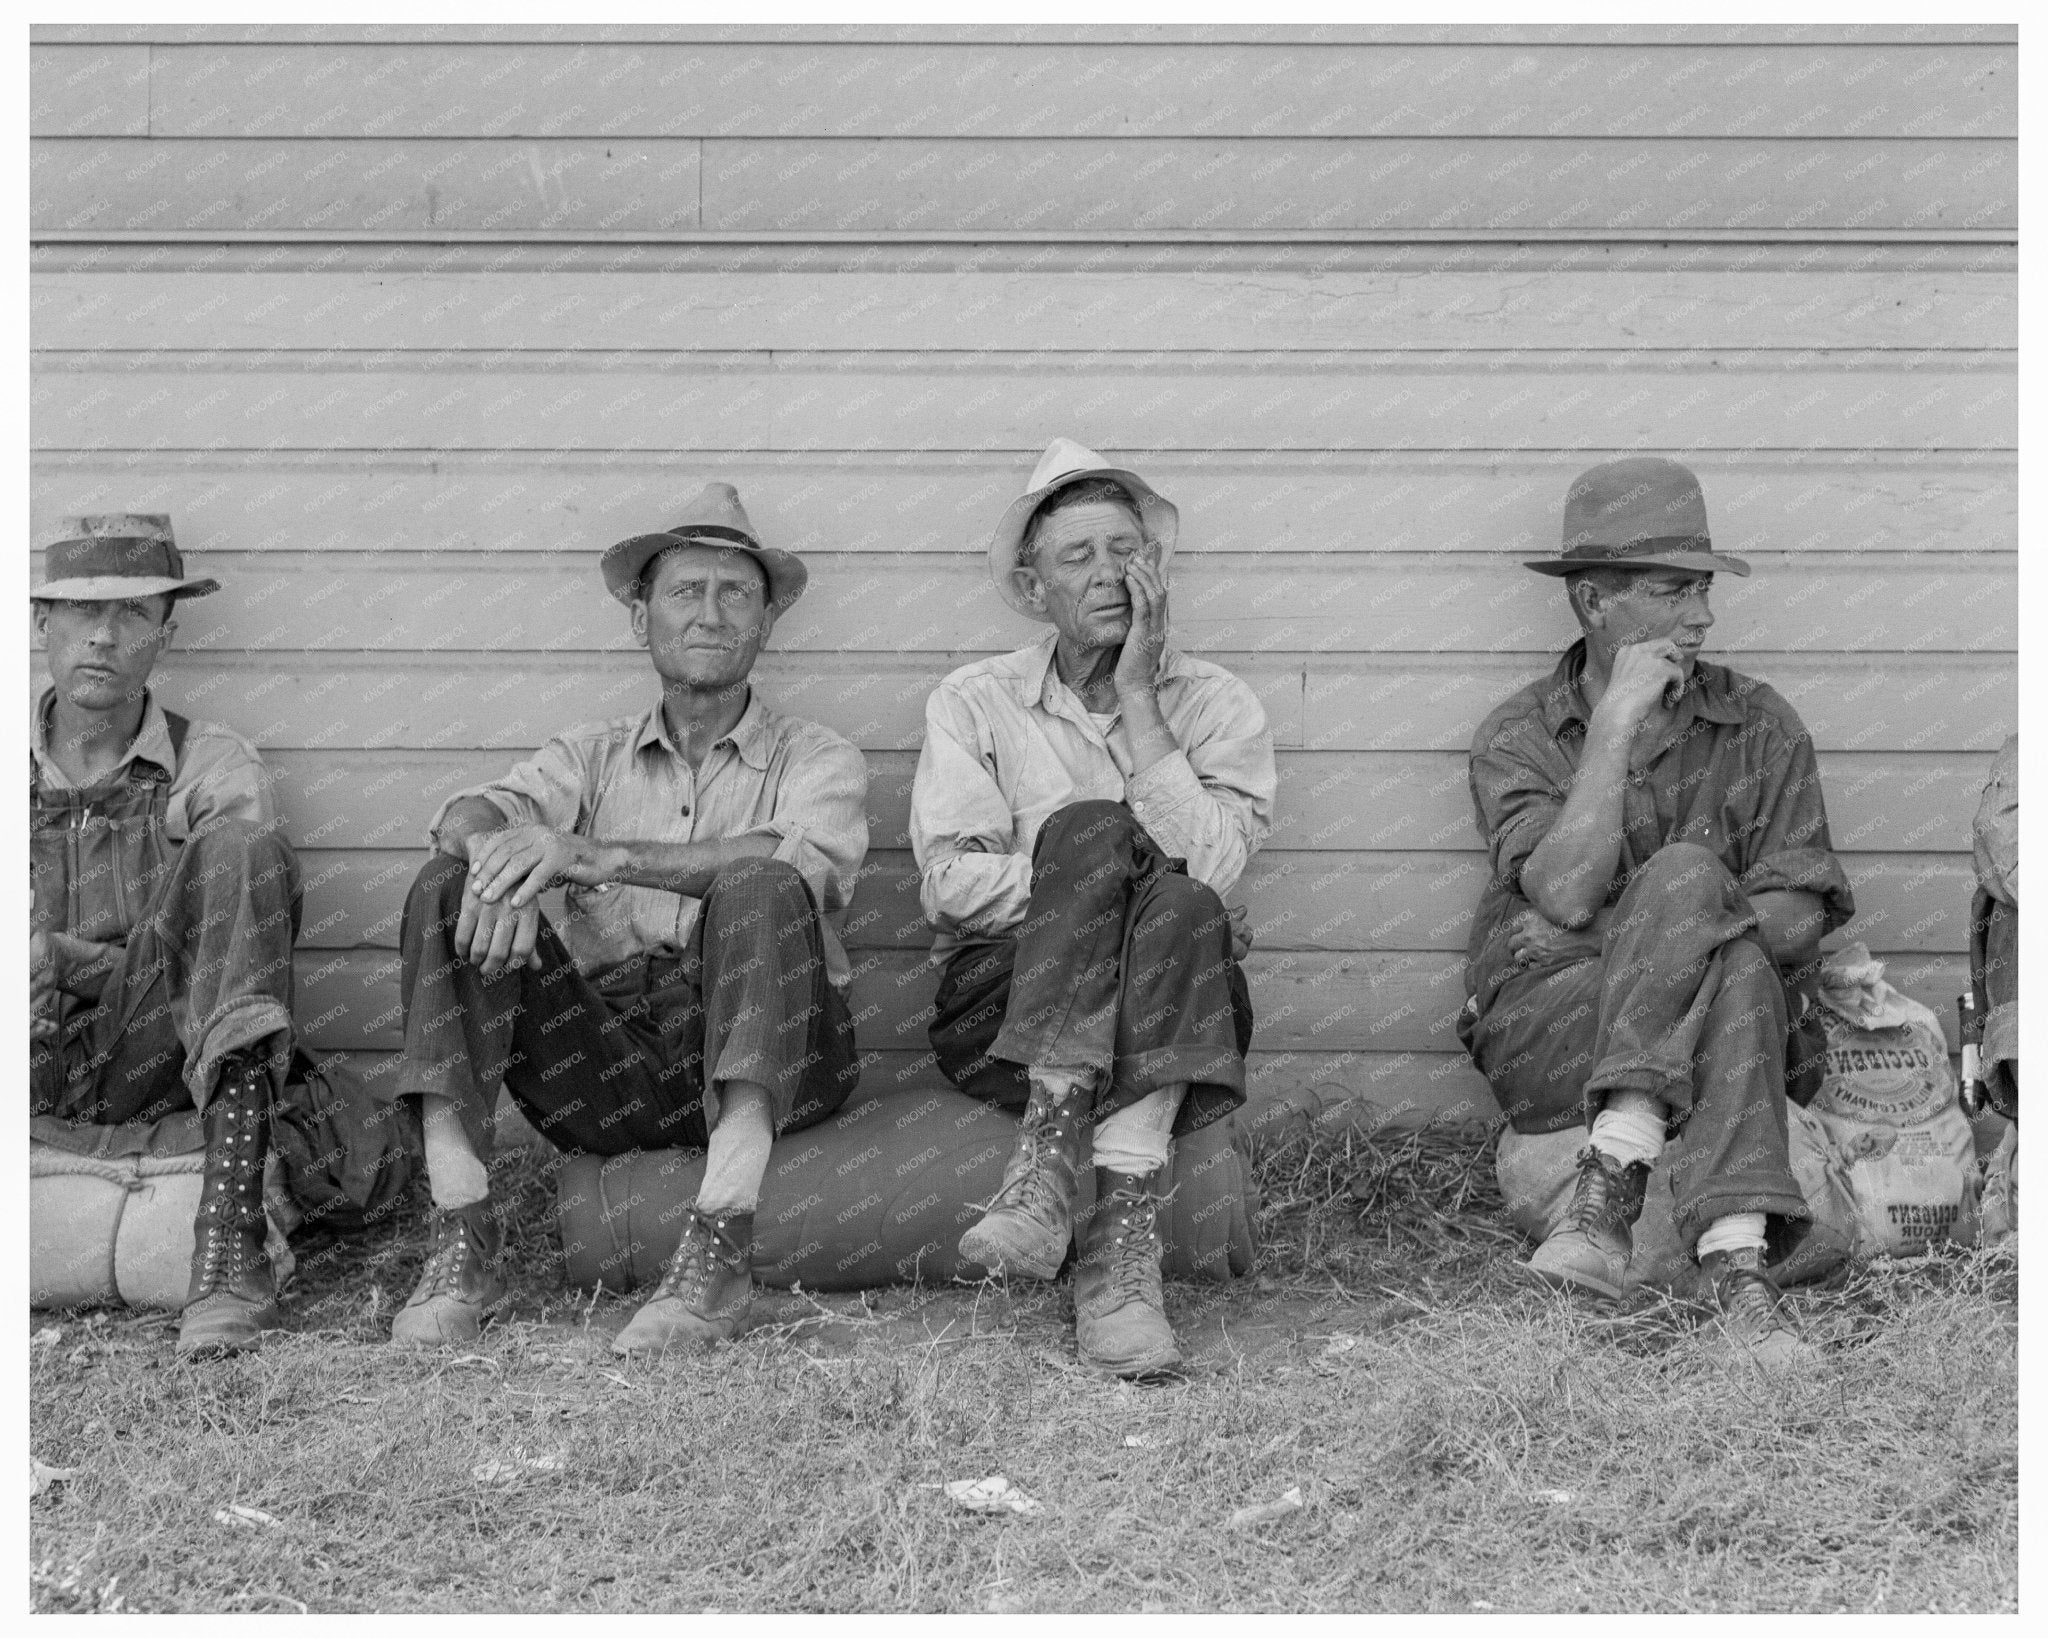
(820, 821)
(1514, 800)
(1787, 845)
(550, 788)
(961, 829)
(1211, 801)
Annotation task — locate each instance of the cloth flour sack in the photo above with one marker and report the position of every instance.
(1887, 1101)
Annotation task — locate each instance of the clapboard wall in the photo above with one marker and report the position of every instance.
(404, 326)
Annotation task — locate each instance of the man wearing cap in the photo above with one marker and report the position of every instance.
(1662, 878)
(1080, 806)
(165, 904)
(692, 995)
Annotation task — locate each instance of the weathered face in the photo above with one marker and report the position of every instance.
(1657, 603)
(1076, 572)
(101, 654)
(704, 615)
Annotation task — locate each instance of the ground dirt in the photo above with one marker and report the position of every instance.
(1455, 1440)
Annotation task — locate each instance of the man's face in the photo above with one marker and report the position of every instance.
(703, 615)
(1660, 603)
(1076, 572)
(101, 654)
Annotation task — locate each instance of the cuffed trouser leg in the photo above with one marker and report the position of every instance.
(615, 1061)
(1682, 1004)
(1123, 965)
(207, 971)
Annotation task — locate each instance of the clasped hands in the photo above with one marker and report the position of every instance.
(509, 869)
(1536, 939)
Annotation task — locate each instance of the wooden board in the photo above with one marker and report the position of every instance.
(89, 90)
(1394, 1002)
(1318, 501)
(632, 185)
(1327, 901)
(1447, 37)
(1121, 311)
(1240, 401)
(1090, 87)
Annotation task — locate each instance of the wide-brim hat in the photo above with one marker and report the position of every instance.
(714, 518)
(1640, 512)
(112, 555)
(1065, 462)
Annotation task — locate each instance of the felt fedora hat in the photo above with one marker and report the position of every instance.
(1065, 462)
(109, 555)
(714, 518)
(1640, 512)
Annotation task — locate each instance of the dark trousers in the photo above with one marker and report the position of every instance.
(1683, 1003)
(207, 970)
(620, 1060)
(1995, 976)
(1123, 963)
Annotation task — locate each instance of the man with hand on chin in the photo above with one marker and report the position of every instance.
(694, 993)
(1080, 807)
(1662, 879)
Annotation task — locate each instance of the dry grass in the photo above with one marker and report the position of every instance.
(1457, 1441)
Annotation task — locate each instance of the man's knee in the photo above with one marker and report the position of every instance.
(1087, 828)
(755, 876)
(1179, 909)
(770, 891)
(1685, 871)
(440, 879)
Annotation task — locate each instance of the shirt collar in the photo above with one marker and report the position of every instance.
(1709, 693)
(152, 741)
(1037, 668)
(752, 737)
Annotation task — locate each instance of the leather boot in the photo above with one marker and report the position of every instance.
(1119, 1308)
(460, 1288)
(1030, 1223)
(232, 1298)
(1590, 1249)
(1753, 1316)
(704, 1293)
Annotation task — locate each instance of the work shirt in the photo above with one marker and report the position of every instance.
(220, 776)
(1995, 837)
(1734, 773)
(1007, 745)
(625, 780)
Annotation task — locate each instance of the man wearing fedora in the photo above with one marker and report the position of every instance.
(165, 901)
(693, 994)
(1662, 878)
(1080, 806)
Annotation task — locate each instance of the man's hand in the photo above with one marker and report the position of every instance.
(1137, 666)
(520, 863)
(1642, 673)
(494, 936)
(1536, 939)
(1240, 932)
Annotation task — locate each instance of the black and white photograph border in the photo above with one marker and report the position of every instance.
(841, 813)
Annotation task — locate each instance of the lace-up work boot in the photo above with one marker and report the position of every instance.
(1119, 1308)
(1753, 1316)
(1030, 1223)
(1590, 1249)
(232, 1298)
(460, 1288)
(705, 1292)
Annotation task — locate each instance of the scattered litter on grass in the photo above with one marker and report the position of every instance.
(41, 1476)
(1341, 1343)
(517, 1467)
(1289, 1502)
(1556, 1498)
(995, 1494)
(1481, 1604)
(248, 1517)
(474, 1359)
(46, 1337)
(1137, 1441)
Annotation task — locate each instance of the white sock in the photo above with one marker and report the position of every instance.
(1735, 1232)
(737, 1159)
(1136, 1138)
(1630, 1128)
(1059, 1081)
(455, 1175)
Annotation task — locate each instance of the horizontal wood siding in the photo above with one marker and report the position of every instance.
(404, 326)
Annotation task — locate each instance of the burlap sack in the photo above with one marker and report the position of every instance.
(880, 1194)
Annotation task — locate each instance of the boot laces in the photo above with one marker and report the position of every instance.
(1133, 1246)
(1598, 1199)
(454, 1249)
(233, 1198)
(704, 1252)
(1750, 1301)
